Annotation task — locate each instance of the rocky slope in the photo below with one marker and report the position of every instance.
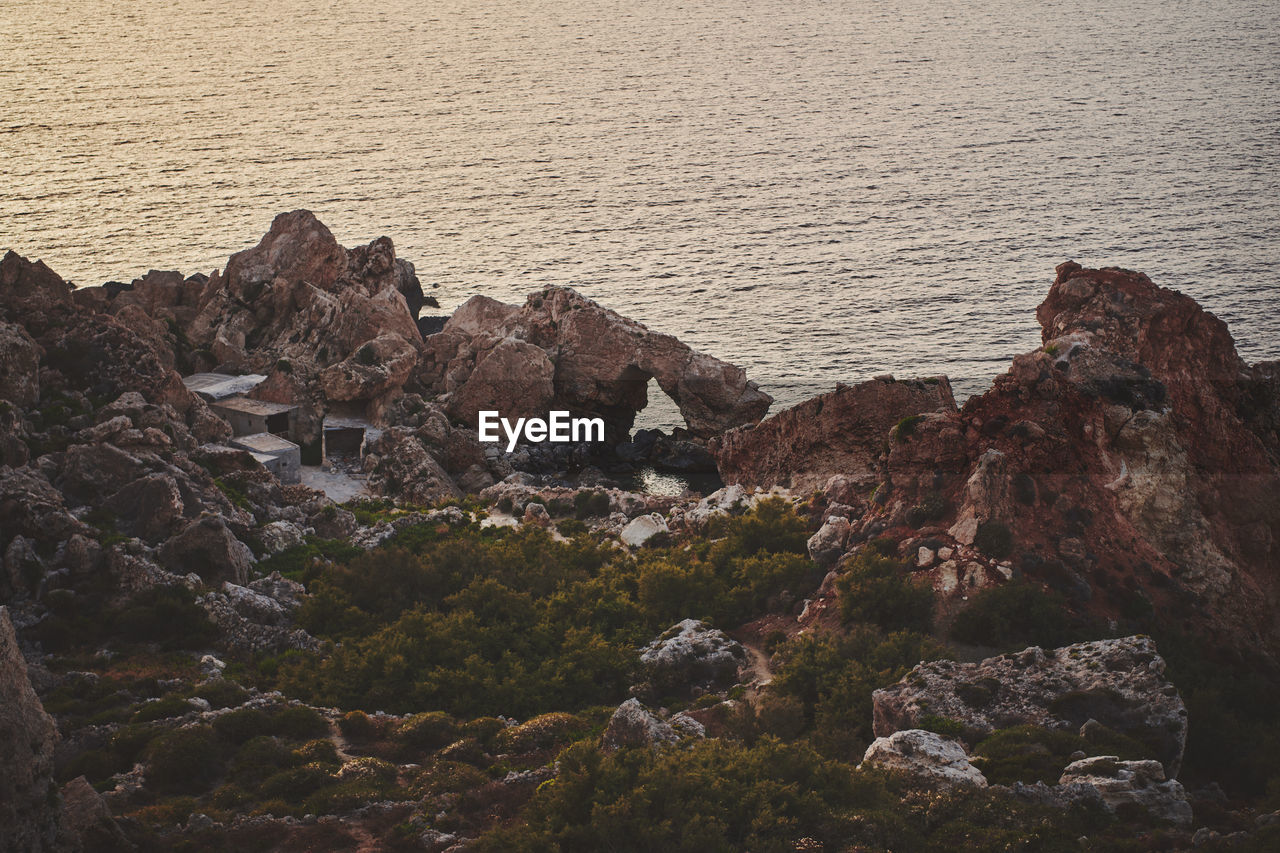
(1130, 465)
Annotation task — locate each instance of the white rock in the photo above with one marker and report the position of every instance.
(924, 557)
(926, 756)
(945, 553)
(826, 546)
(642, 529)
(1141, 783)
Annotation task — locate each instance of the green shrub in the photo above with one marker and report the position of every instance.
(941, 725)
(906, 427)
(1013, 616)
(994, 538)
(428, 731)
(185, 761)
(170, 706)
(296, 783)
(879, 591)
(222, 693)
(357, 726)
(570, 527)
(163, 614)
(541, 732)
(1031, 753)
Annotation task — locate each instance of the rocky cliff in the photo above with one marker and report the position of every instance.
(1130, 463)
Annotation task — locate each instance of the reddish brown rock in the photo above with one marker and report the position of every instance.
(602, 364)
(843, 433)
(1131, 461)
(19, 363)
(301, 297)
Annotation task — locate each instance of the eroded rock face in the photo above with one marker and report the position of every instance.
(841, 433)
(1120, 683)
(28, 795)
(1140, 784)
(927, 757)
(690, 654)
(19, 363)
(298, 295)
(1134, 444)
(602, 363)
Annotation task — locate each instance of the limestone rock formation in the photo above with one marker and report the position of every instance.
(208, 548)
(1120, 683)
(1132, 783)
(827, 545)
(640, 530)
(632, 724)
(28, 794)
(300, 296)
(842, 433)
(926, 756)
(601, 363)
(690, 654)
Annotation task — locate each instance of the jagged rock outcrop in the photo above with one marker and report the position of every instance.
(1128, 464)
(600, 365)
(29, 802)
(632, 724)
(930, 758)
(258, 617)
(1119, 683)
(691, 654)
(841, 433)
(1127, 784)
(300, 296)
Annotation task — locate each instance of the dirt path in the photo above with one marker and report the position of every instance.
(758, 673)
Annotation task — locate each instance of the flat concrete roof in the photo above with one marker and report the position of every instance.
(252, 407)
(264, 442)
(344, 423)
(216, 386)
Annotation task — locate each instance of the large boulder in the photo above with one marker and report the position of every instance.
(1132, 784)
(28, 794)
(843, 432)
(925, 756)
(691, 654)
(602, 365)
(1119, 683)
(208, 547)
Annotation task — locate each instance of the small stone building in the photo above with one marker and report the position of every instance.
(248, 417)
(346, 436)
(278, 455)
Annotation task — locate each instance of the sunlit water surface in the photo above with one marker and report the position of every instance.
(817, 191)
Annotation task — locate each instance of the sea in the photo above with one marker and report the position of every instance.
(819, 192)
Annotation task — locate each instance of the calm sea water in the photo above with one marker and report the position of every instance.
(818, 191)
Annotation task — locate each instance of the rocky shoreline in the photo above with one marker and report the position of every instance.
(1125, 472)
